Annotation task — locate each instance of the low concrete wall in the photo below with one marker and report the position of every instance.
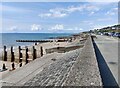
(63, 49)
(85, 71)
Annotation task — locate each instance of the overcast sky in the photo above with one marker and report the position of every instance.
(52, 17)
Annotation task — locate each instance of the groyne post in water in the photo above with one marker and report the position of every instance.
(41, 51)
(5, 54)
(34, 53)
(20, 55)
(12, 55)
(26, 55)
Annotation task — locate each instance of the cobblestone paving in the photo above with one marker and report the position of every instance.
(55, 74)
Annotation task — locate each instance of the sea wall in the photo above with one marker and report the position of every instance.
(85, 71)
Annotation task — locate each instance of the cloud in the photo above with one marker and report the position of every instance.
(73, 8)
(45, 15)
(80, 29)
(55, 13)
(58, 12)
(74, 29)
(57, 27)
(113, 11)
(36, 27)
(62, 12)
(60, 27)
(91, 8)
(13, 28)
(91, 13)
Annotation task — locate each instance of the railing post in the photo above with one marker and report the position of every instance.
(34, 53)
(5, 54)
(12, 55)
(26, 55)
(41, 51)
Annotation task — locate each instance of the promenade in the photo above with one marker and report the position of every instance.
(95, 64)
(107, 56)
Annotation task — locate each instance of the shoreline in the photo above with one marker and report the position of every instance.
(9, 39)
(23, 44)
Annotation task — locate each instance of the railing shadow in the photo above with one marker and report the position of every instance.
(106, 75)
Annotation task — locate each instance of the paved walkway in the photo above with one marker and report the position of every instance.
(107, 47)
(25, 73)
(55, 74)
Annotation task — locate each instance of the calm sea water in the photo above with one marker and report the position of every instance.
(9, 39)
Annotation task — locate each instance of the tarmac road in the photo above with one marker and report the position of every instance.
(107, 55)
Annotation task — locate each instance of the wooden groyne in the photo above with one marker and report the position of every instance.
(21, 55)
(35, 40)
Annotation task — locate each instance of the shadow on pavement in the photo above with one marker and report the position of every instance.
(106, 75)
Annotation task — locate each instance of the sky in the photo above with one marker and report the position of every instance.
(56, 17)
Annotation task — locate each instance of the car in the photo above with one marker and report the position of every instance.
(116, 35)
(106, 34)
(111, 33)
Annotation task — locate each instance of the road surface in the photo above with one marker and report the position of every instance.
(107, 54)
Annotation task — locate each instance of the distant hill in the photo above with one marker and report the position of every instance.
(115, 28)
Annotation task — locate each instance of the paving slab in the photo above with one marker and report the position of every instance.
(107, 49)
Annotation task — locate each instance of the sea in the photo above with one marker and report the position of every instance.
(9, 39)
